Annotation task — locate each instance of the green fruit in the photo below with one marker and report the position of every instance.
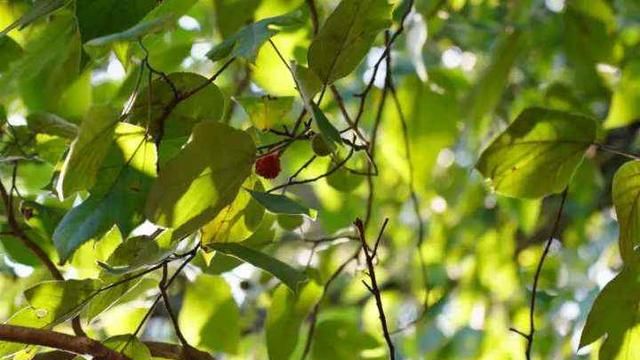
(320, 146)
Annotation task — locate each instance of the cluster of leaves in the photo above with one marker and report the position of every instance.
(151, 149)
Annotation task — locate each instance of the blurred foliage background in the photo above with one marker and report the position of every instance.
(463, 69)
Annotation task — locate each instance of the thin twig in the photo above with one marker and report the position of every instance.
(532, 329)
(370, 255)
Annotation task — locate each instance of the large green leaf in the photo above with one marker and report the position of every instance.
(615, 313)
(538, 153)
(87, 151)
(118, 196)
(285, 317)
(246, 42)
(194, 186)
(60, 300)
(98, 18)
(626, 198)
(209, 317)
(285, 273)
(346, 37)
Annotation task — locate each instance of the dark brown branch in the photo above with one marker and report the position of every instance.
(316, 178)
(75, 344)
(532, 328)
(370, 255)
(167, 304)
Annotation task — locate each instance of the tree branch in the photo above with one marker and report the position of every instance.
(370, 255)
(75, 344)
(532, 329)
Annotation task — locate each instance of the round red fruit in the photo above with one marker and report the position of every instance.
(268, 166)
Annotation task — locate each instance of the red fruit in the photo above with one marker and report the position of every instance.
(268, 166)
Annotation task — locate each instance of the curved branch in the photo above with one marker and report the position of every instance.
(75, 344)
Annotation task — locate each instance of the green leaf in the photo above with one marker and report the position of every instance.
(9, 52)
(87, 151)
(266, 112)
(246, 42)
(40, 9)
(626, 193)
(47, 123)
(288, 275)
(615, 313)
(135, 32)
(330, 134)
(286, 314)
(625, 102)
(97, 18)
(118, 196)
(346, 37)
(237, 221)
(488, 89)
(133, 254)
(539, 141)
(130, 346)
(194, 186)
(279, 204)
(60, 300)
(209, 317)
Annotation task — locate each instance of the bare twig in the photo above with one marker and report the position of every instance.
(532, 329)
(370, 255)
(167, 304)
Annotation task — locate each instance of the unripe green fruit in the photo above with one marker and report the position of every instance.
(320, 146)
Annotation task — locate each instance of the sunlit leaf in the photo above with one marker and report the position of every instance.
(615, 314)
(118, 196)
(346, 36)
(248, 40)
(60, 300)
(538, 142)
(194, 186)
(267, 112)
(626, 193)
